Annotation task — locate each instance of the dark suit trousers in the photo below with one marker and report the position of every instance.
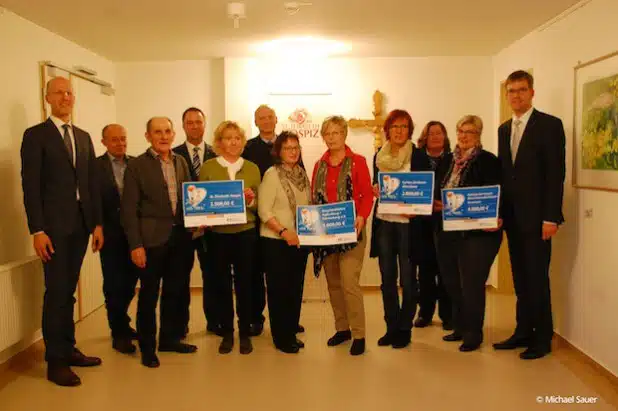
(530, 257)
(61, 278)
(119, 281)
(237, 250)
(465, 261)
(285, 275)
(166, 262)
(431, 288)
(258, 287)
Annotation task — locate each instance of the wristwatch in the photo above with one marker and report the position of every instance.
(282, 231)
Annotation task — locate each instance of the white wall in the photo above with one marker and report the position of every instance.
(22, 46)
(584, 281)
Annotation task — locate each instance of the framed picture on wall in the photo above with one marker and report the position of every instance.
(595, 150)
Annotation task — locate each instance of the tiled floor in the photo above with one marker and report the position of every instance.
(430, 375)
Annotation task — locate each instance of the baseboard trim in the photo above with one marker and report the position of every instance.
(590, 372)
(21, 362)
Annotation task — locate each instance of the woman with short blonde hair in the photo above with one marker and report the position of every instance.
(220, 130)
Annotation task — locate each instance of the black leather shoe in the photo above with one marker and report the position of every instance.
(256, 329)
(402, 339)
(78, 359)
(288, 348)
(62, 375)
(123, 346)
(358, 346)
(299, 343)
(447, 326)
(227, 343)
(300, 329)
(245, 345)
(150, 360)
(386, 339)
(533, 353)
(178, 347)
(452, 337)
(469, 346)
(215, 329)
(512, 343)
(339, 338)
(421, 322)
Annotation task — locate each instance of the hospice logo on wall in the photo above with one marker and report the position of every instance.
(301, 123)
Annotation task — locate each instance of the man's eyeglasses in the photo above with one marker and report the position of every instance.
(467, 132)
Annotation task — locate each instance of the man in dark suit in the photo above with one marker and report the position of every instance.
(63, 208)
(259, 151)
(160, 246)
(531, 149)
(119, 273)
(195, 151)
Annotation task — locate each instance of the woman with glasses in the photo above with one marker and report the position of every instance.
(284, 187)
(342, 175)
(465, 257)
(392, 234)
(435, 146)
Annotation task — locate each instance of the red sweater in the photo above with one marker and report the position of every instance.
(361, 182)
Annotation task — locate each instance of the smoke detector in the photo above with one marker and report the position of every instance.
(294, 7)
(236, 11)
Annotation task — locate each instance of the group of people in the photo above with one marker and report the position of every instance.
(133, 208)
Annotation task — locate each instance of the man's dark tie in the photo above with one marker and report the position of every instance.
(67, 142)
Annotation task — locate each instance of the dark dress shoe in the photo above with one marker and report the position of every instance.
(123, 346)
(339, 338)
(533, 353)
(288, 348)
(150, 360)
(299, 343)
(452, 337)
(402, 339)
(227, 343)
(421, 322)
(447, 326)
(300, 329)
(62, 375)
(78, 359)
(386, 339)
(512, 343)
(256, 329)
(469, 346)
(215, 329)
(358, 346)
(178, 347)
(245, 346)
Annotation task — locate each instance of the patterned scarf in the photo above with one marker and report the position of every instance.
(344, 193)
(459, 167)
(386, 161)
(297, 177)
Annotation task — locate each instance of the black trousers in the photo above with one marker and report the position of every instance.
(431, 287)
(61, 278)
(258, 286)
(119, 280)
(530, 257)
(166, 262)
(465, 260)
(285, 275)
(237, 250)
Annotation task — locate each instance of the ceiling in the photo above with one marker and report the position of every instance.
(139, 30)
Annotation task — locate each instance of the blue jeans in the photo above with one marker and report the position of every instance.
(394, 258)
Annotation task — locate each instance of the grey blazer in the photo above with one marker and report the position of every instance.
(146, 211)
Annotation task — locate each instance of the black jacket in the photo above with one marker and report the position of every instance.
(110, 197)
(183, 151)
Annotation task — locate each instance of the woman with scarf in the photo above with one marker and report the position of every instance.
(341, 175)
(465, 257)
(236, 244)
(285, 186)
(435, 146)
(393, 235)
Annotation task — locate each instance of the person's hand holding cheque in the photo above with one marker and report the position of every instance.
(249, 196)
(437, 205)
(491, 230)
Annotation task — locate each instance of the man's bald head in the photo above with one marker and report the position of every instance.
(114, 138)
(59, 95)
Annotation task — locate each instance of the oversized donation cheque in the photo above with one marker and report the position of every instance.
(406, 192)
(210, 203)
(326, 224)
(470, 208)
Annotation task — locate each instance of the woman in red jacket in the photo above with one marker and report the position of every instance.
(341, 175)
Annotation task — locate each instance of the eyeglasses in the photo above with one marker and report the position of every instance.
(467, 132)
(333, 134)
(290, 149)
(400, 127)
(63, 93)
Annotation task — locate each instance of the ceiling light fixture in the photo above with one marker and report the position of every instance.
(294, 7)
(236, 11)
